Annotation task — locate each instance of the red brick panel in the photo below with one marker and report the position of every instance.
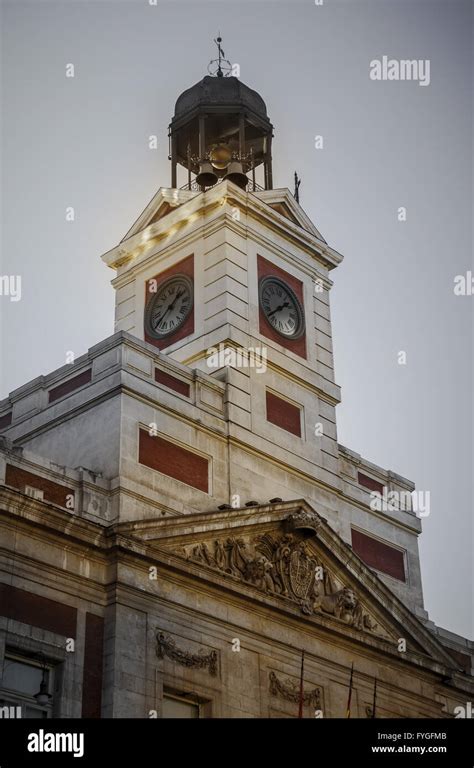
(93, 663)
(173, 460)
(5, 420)
(53, 492)
(19, 605)
(70, 385)
(266, 269)
(185, 267)
(283, 414)
(378, 555)
(171, 382)
(369, 483)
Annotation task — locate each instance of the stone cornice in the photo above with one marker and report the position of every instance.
(106, 383)
(134, 247)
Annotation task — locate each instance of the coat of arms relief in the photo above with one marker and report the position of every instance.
(285, 565)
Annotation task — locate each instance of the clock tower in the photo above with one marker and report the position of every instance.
(230, 277)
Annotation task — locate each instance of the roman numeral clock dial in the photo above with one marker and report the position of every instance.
(281, 307)
(169, 307)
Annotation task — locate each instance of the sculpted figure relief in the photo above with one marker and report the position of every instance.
(342, 604)
(285, 566)
(259, 572)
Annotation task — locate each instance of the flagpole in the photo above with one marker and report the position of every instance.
(300, 709)
(348, 714)
(375, 697)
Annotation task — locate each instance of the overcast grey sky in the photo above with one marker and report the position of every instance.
(83, 142)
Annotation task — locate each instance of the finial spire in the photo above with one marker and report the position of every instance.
(296, 193)
(224, 66)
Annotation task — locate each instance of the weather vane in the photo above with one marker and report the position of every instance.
(224, 67)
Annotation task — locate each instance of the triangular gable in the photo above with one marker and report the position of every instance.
(288, 556)
(285, 211)
(165, 201)
(282, 201)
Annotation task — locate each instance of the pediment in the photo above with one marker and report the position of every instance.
(287, 566)
(282, 201)
(286, 556)
(165, 201)
(285, 211)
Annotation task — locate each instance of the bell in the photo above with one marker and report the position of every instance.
(220, 156)
(236, 174)
(206, 176)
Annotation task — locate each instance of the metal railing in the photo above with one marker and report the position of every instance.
(195, 187)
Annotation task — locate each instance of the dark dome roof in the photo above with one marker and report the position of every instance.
(222, 91)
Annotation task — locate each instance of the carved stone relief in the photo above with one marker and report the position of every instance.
(166, 646)
(284, 565)
(305, 520)
(289, 690)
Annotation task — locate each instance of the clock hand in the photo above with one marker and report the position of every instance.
(170, 306)
(180, 293)
(286, 304)
(162, 317)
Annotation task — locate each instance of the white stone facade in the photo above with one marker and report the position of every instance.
(129, 517)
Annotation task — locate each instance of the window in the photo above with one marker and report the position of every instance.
(179, 707)
(20, 682)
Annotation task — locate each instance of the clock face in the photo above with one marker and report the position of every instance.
(169, 307)
(281, 307)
